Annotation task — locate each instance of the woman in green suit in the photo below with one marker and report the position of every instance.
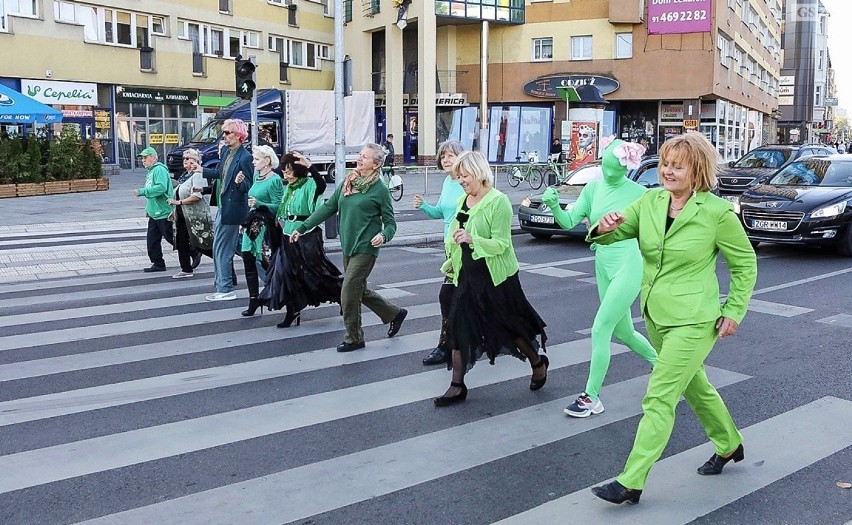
(681, 229)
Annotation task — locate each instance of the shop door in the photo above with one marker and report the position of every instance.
(139, 141)
(410, 142)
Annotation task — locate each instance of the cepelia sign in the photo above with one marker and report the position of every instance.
(666, 17)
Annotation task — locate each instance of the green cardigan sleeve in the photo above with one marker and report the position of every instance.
(629, 229)
(323, 211)
(275, 192)
(733, 243)
(501, 230)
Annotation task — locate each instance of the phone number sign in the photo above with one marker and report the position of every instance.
(666, 17)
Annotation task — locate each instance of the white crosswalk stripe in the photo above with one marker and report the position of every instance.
(91, 402)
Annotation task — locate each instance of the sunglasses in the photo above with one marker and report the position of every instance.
(226, 132)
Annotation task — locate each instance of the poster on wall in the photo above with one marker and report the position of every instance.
(583, 145)
(667, 17)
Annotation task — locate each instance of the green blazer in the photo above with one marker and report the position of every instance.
(679, 282)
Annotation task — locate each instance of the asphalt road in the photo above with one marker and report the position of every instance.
(126, 398)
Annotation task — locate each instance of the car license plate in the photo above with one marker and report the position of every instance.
(542, 219)
(769, 225)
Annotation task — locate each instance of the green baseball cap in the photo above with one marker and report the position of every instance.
(147, 151)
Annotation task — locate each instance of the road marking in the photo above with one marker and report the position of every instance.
(331, 484)
(83, 333)
(779, 309)
(675, 494)
(555, 272)
(802, 281)
(844, 320)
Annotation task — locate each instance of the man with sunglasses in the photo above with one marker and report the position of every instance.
(231, 181)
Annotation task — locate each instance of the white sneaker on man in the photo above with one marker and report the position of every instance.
(584, 406)
(182, 275)
(222, 296)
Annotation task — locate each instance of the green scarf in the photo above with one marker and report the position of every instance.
(288, 193)
(359, 182)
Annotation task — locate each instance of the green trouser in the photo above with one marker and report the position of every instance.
(679, 371)
(354, 293)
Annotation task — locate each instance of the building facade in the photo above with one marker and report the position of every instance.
(138, 74)
(661, 71)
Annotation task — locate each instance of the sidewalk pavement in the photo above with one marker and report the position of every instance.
(53, 236)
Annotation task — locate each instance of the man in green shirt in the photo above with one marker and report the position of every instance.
(157, 190)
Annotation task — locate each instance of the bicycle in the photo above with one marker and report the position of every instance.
(393, 182)
(528, 172)
(556, 168)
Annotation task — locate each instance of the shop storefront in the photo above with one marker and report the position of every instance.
(158, 118)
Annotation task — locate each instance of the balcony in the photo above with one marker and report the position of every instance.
(199, 64)
(146, 59)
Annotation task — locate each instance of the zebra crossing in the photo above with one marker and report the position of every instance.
(127, 399)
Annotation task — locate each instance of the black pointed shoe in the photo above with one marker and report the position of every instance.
(396, 323)
(445, 400)
(438, 356)
(716, 462)
(615, 492)
(348, 347)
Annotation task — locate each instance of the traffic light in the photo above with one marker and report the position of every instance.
(244, 71)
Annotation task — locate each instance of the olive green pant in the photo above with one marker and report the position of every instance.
(354, 293)
(679, 370)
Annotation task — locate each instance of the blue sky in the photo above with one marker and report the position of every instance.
(840, 47)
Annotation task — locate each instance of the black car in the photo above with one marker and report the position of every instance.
(536, 218)
(808, 202)
(759, 165)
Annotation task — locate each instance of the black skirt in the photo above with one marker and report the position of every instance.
(301, 275)
(488, 319)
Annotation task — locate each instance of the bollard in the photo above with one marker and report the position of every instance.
(331, 225)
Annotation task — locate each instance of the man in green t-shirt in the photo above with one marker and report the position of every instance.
(157, 190)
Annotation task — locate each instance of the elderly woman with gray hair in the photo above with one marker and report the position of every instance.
(366, 224)
(193, 225)
(264, 197)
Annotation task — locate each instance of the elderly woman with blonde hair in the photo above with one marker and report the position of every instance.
(264, 197)
(489, 313)
(193, 226)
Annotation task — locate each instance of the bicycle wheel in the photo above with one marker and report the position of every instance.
(515, 177)
(536, 179)
(396, 187)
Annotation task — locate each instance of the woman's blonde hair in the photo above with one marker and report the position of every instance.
(267, 152)
(695, 152)
(192, 153)
(474, 163)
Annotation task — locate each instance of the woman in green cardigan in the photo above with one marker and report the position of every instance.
(264, 196)
(301, 273)
(366, 224)
(489, 313)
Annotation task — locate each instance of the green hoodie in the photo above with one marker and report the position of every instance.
(157, 190)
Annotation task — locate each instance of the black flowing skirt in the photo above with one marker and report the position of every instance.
(488, 319)
(301, 275)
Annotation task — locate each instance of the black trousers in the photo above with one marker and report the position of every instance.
(158, 229)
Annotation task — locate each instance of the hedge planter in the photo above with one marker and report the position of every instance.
(52, 187)
(29, 189)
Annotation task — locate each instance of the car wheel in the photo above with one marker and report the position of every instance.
(329, 174)
(845, 245)
(542, 236)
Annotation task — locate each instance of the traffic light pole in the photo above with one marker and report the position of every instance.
(253, 109)
(339, 124)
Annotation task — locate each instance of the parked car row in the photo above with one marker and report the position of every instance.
(792, 195)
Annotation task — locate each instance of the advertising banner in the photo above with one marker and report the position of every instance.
(666, 17)
(54, 92)
(583, 146)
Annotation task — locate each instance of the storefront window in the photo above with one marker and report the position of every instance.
(460, 124)
(519, 132)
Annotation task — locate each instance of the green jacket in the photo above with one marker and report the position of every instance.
(679, 283)
(490, 226)
(298, 202)
(157, 191)
(362, 217)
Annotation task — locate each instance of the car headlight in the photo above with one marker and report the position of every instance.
(829, 211)
(568, 206)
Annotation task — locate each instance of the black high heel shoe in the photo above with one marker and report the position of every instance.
(543, 361)
(716, 463)
(445, 401)
(254, 304)
(289, 318)
(615, 492)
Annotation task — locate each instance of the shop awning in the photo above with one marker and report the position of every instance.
(17, 108)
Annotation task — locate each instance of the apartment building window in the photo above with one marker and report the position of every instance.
(158, 26)
(299, 54)
(732, 4)
(623, 45)
(738, 58)
(225, 7)
(821, 61)
(817, 96)
(223, 42)
(581, 47)
(725, 53)
(110, 26)
(26, 8)
(542, 49)
(282, 3)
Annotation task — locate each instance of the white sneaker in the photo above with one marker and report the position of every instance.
(222, 296)
(584, 406)
(182, 275)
